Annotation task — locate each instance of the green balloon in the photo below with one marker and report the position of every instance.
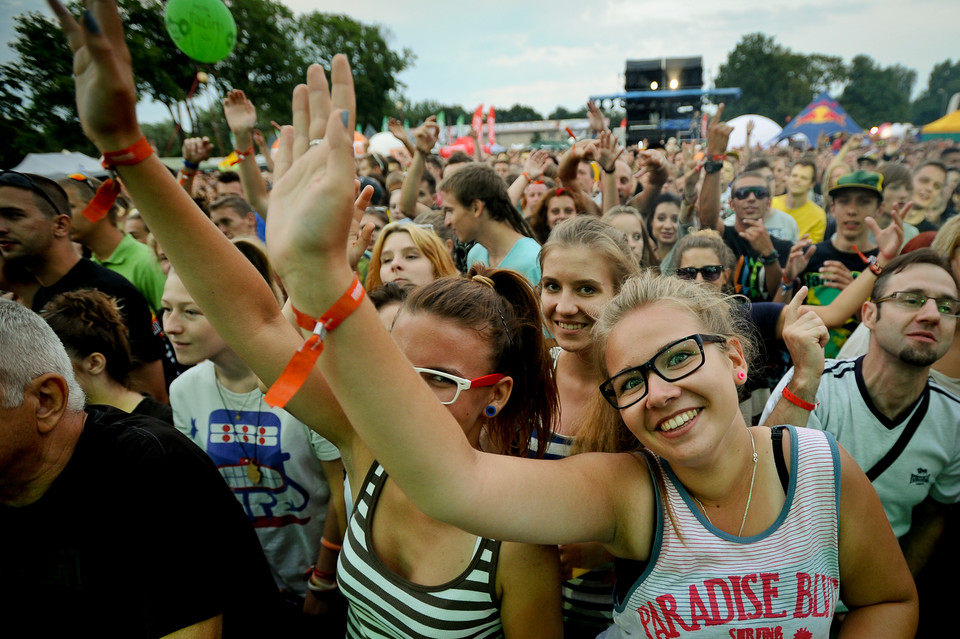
(203, 29)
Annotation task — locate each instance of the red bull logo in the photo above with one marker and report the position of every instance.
(821, 113)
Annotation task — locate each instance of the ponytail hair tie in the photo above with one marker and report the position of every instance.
(483, 279)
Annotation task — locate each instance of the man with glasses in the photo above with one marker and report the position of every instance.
(35, 227)
(897, 423)
(840, 258)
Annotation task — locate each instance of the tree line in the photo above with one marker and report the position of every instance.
(274, 47)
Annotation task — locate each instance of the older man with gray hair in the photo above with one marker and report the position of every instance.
(113, 524)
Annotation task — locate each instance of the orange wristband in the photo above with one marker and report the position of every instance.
(241, 155)
(796, 401)
(133, 154)
(303, 361)
(110, 189)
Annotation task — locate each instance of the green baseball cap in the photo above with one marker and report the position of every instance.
(867, 180)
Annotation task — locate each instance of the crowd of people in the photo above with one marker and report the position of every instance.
(670, 390)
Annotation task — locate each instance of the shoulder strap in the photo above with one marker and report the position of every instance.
(776, 438)
(904, 438)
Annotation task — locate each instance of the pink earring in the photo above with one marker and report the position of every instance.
(741, 375)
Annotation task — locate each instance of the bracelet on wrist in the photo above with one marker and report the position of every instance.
(191, 165)
(241, 155)
(527, 176)
(108, 192)
(299, 366)
(329, 545)
(871, 261)
(796, 401)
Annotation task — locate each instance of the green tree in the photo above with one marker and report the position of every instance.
(944, 82)
(375, 66)
(518, 113)
(417, 112)
(267, 62)
(776, 82)
(561, 113)
(37, 102)
(875, 94)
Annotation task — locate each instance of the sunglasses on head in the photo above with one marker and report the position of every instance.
(710, 273)
(760, 192)
(21, 181)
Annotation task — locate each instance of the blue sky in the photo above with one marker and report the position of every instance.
(558, 53)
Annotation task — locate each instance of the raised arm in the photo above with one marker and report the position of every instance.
(532, 169)
(416, 439)
(193, 151)
(718, 136)
(242, 119)
(106, 101)
(426, 138)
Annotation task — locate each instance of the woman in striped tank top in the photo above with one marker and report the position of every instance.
(731, 550)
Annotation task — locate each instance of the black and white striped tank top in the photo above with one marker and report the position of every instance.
(383, 604)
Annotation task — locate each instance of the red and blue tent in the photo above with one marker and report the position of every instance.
(822, 116)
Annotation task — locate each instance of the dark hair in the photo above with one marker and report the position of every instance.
(757, 164)
(950, 150)
(225, 177)
(375, 158)
(458, 157)
(477, 181)
(379, 212)
(538, 219)
(389, 293)
(895, 174)
(746, 174)
(431, 181)
(89, 321)
(901, 262)
(235, 202)
(435, 160)
(669, 198)
(255, 252)
(937, 163)
(59, 203)
(501, 306)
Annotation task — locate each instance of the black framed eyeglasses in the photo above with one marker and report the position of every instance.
(761, 192)
(710, 273)
(914, 301)
(22, 181)
(671, 363)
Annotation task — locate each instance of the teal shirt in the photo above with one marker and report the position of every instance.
(137, 262)
(523, 258)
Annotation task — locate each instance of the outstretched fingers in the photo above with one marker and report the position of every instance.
(342, 95)
(301, 120)
(318, 93)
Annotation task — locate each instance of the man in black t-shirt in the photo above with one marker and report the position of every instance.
(114, 525)
(35, 222)
(840, 258)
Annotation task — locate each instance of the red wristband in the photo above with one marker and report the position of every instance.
(870, 261)
(796, 401)
(300, 365)
(241, 156)
(133, 154)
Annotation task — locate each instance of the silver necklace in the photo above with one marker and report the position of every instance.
(753, 476)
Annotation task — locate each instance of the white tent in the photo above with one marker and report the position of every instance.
(58, 165)
(764, 130)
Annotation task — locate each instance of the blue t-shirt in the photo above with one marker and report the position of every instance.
(523, 258)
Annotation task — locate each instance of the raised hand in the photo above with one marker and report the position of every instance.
(805, 335)
(718, 134)
(755, 232)
(585, 150)
(799, 257)
(608, 150)
(196, 150)
(653, 164)
(536, 163)
(240, 113)
(313, 200)
(106, 95)
(597, 121)
(427, 134)
(890, 239)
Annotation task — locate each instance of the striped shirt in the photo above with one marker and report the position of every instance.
(783, 582)
(383, 604)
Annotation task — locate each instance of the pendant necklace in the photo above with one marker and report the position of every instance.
(253, 470)
(753, 476)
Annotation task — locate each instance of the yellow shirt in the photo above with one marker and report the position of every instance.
(810, 218)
